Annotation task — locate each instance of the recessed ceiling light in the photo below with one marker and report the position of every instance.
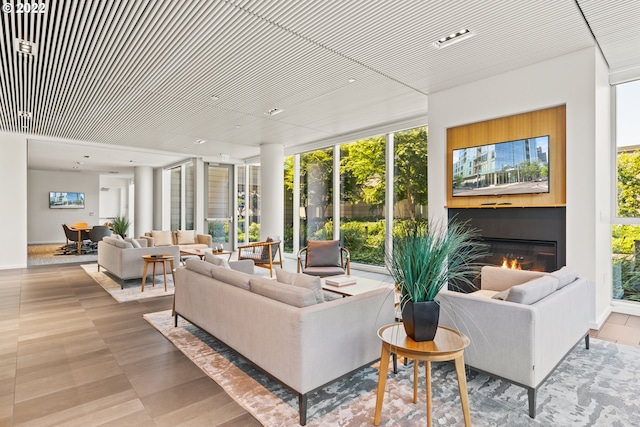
(199, 141)
(86, 157)
(25, 47)
(452, 38)
(238, 126)
(215, 97)
(274, 111)
(25, 114)
(351, 80)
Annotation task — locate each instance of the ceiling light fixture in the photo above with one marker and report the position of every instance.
(452, 38)
(225, 156)
(215, 98)
(274, 111)
(199, 141)
(351, 80)
(25, 47)
(25, 114)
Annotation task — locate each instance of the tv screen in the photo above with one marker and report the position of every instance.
(511, 167)
(66, 200)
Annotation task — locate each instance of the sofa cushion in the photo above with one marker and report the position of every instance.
(323, 253)
(110, 240)
(292, 295)
(199, 266)
(186, 237)
(122, 244)
(216, 260)
(231, 277)
(162, 237)
(565, 276)
(301, 280)
(533, 290)
(134, 242)
(500, 279)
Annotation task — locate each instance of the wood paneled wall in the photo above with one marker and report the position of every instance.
(550, 121)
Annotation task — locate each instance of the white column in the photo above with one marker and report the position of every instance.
(143, 205)
(296, 203)
(271, 191)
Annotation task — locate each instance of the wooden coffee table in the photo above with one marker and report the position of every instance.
(201, 252)
(448, 344)
(361, 286)
(155, 259)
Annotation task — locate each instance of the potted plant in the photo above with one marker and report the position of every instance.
(120, 225)
(424, 259)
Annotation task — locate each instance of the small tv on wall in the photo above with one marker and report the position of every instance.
(66, 200)
(511, 167)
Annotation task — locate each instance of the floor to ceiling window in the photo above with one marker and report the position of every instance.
(182, 196)
(219, 204)
(362, 199)
(626, 227)
(316, 195)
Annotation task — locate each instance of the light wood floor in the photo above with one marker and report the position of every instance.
(71, 355)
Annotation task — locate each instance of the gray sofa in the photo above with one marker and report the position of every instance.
(303, 343)
(124, 261)
(521, 323)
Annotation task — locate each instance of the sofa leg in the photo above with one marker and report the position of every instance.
(175, 320)
(532, 402)
(302, 405)
(586, 341)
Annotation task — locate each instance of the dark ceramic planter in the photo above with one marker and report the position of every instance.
(420, 320)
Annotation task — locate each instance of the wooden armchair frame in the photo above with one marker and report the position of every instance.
(263, 254)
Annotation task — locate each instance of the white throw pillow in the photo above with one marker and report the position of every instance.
(186, 237)
(533, 290)
(162, 238)
(301, 280)
(216, 260)
(133, 242)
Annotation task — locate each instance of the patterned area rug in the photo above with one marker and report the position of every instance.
(596, 387)
(132, 288)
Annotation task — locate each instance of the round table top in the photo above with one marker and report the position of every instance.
(447, 340)
(163, 257)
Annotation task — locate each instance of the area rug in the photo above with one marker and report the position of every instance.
(48, 254)
(596, 387)
(132, 288)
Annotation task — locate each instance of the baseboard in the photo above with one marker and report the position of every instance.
(599, 321)
(625, 307)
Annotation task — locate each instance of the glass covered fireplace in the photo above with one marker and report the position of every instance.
(535, 255)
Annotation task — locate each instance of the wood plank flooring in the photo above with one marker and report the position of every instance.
(71, 355)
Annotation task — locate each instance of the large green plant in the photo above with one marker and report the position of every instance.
(426, 257)
(120, 225)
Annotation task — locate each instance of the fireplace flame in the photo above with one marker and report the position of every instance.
(512, 264)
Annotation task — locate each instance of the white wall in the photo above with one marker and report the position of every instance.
(13, 187)
(45, 224)
(114, 197)
(570, 80)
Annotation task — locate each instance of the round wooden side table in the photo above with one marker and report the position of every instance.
(448, 344)
(155, 259)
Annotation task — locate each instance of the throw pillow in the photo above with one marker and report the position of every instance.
(186, 237)
(565, 276)
(323, 253)
(501, 295)
(264, 256)
(117, 236)
(133, 242)
(231, 277)
(291, 295)
(533, 290)
(123, 245)
(109, 240)
(216, 260)
(161, 237)
(312, 283)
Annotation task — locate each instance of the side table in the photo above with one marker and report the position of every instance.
(448, 344)
(155, 259)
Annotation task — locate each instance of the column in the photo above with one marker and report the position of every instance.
(271, 191)
(143, 201)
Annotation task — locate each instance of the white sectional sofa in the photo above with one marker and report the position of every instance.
(284, 329)
(526, 334)
(185, 239)
(124, 261)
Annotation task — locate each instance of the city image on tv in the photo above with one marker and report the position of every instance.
(512, 167)
(66, 200)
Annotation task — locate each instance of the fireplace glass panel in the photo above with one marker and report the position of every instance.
(532, 255)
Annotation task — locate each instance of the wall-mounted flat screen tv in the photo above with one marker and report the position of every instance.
(511, 167)
(66, 200)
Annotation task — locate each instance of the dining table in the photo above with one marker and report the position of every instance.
(79, 230)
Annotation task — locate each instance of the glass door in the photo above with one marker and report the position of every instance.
(219, 205)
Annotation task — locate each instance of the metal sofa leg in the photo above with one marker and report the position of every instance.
(302, 405)
(586, 341)
(532, 402)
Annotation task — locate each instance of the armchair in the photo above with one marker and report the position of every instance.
(264, 254)
(324, 258)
